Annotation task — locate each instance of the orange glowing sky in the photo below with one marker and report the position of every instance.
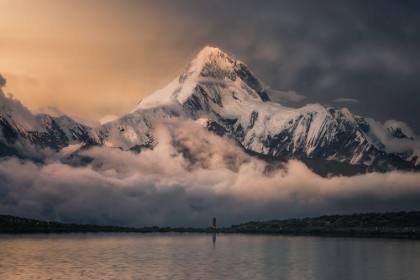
(91, 58)
(87, 58)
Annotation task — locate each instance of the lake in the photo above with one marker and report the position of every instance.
(205, 256)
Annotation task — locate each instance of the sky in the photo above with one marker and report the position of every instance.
(93, 58)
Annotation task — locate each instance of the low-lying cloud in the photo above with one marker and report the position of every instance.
(189, 177)
(393, 144)
(12, 106)
(284, 96)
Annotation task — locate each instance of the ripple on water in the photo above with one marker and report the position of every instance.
(204, 256)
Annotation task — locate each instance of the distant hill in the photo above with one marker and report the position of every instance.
(389, 224)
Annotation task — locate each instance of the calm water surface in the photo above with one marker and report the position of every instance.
(204, 256)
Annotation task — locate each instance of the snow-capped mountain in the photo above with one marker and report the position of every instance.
(225, 96)
(64, 128)
(20, 127)
(224, 91)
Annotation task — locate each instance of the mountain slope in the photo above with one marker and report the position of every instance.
(219, 89)
(20, 129)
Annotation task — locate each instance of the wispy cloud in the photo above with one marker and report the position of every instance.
(284, 96)
(346, 100)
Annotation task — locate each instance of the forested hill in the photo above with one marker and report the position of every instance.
(367, 222)
(389, 224)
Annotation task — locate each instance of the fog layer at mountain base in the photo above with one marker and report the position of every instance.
(190, 176)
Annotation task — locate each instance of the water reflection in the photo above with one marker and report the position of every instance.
(185, 256)
(214, 240)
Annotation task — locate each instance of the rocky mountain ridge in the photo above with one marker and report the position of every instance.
(226, 97)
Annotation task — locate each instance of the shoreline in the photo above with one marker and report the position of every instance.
(324, 226)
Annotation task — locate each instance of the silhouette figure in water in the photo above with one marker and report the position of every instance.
(214, 222)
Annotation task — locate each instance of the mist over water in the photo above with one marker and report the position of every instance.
(191, 176)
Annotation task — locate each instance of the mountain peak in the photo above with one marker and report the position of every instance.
(212, 74)
(207, 50)
(210, 62)
(213, 64)
(399, 129)
(211, 55)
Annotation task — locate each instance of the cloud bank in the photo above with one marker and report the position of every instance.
(189, 177)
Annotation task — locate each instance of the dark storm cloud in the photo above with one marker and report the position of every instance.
(2, 81)
(190, 176)
(325, 50)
